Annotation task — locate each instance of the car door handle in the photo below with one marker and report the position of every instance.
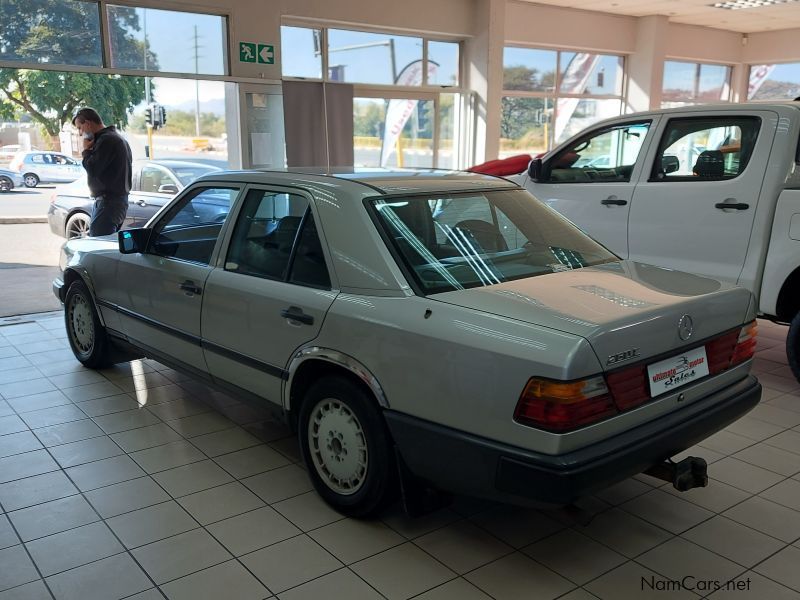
(295, 313)
(190, 288)
(613, 200)
(141, 203)
(731, 205)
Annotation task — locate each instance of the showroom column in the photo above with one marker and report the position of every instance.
(646, 64)
(484, 74)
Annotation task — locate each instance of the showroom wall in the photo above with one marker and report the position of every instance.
(487, 25)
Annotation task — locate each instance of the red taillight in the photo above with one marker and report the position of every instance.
(559, 406)
(719, 351)
(745, 344)
(629, 387)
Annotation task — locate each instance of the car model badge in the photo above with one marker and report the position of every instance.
(685, 327)
(622, 356)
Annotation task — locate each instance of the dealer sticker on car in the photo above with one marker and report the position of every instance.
(666, 375)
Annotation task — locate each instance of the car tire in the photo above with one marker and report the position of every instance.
(30, 180)
(346, 447)
(86, 334)
(793, 346)
(77, 226)
(6, 185)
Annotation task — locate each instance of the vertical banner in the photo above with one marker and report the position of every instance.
(400, 109)
(758, 74)
(574, 81)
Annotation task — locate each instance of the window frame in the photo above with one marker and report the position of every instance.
(733, 119)
(179, 203)
(695, 98)
(234, 216)
(555, 94)
(548, 166)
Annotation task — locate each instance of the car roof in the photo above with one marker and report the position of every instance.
(172, 163)
(372, 181)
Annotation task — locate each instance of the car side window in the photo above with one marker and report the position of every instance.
(308, 265)
(603, 157)
(265, 234)
(190, 229)
(37, 158)
(705, 149)
(151, 179)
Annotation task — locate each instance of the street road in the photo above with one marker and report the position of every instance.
(27, 202)
(28, 264)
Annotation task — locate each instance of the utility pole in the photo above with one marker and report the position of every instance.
(196, 85)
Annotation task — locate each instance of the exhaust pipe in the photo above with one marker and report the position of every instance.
(685, 475)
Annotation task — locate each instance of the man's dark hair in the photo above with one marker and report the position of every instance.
(87, 114)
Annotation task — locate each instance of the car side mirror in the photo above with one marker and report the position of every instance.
(535, 169)
(168, 188)
(670, 164)
(133, 241)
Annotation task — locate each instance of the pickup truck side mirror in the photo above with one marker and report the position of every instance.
(535, 169)
(168, 188)
(133, 241)
(670, 164)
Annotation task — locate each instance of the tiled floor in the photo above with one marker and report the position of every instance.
(137, 482)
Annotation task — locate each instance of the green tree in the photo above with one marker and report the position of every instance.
(65, 32)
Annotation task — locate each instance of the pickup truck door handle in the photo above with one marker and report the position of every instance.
(613, 200)
(731, 205)
(190, 288)
(295, 313)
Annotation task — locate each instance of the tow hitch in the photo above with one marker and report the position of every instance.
(689, 473)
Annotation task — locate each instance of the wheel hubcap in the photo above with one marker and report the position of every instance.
(81, 324)
(79, 228)
(30, 181)
(338, 446)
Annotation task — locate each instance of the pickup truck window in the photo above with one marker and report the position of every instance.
(603, 156)
(705, 149)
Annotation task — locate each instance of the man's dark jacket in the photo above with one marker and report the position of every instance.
(108, 165)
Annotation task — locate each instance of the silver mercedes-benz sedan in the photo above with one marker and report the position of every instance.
(422, 330)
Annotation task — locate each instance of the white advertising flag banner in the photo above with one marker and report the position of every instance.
(400, 109)
(574, 81)
(758, 74)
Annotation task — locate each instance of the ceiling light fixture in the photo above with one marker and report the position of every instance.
(740, 4)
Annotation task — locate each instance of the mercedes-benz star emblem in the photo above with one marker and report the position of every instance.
(685, 327)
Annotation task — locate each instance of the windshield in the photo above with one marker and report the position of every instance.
(187, 175)
(453, 242)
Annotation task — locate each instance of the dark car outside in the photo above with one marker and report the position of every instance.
(154, 183)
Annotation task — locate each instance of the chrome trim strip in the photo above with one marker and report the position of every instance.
(337, 358)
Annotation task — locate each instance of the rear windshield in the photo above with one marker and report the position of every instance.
(453, 242)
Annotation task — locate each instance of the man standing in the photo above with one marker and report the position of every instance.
(108, 162)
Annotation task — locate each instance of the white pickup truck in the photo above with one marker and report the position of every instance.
(711, 189)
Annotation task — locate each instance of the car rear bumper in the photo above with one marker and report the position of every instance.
(465, 463)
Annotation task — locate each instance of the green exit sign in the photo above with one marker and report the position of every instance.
(251, 52)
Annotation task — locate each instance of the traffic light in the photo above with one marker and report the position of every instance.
(423, 114)
(163, 116)
(148, 116)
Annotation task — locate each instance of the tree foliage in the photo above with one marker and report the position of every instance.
(66, 32)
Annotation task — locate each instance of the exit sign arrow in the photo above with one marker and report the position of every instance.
(266, 54)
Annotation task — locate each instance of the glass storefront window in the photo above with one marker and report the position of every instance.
(447, 157)
(525, 125)
(689, 83)
(774, 82)
(529, 70)
(393, 132)
(377, 58)
(61, 32)
(445, 56)
(584, 73)
(167, 41)
(301, 52)
(576, 114)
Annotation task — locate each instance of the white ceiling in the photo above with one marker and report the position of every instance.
(696, 12)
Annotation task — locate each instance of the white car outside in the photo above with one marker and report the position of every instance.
(46, 167)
